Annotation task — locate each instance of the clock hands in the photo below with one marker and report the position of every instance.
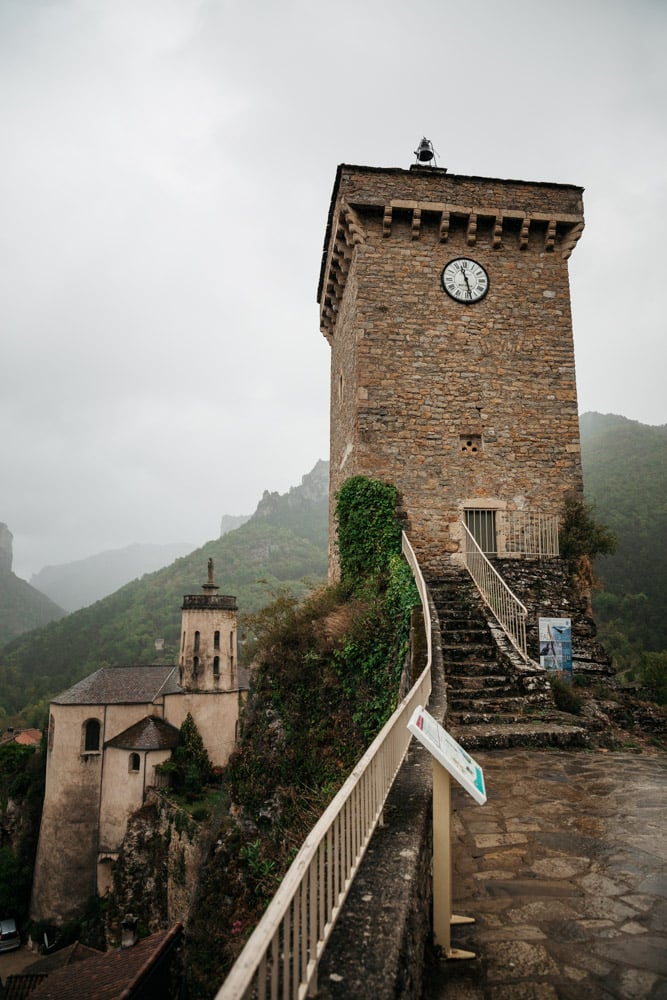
(465, 278)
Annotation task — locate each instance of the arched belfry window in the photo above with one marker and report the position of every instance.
(91, 735)
(135, 762)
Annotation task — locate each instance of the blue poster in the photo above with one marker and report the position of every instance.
(556, 646)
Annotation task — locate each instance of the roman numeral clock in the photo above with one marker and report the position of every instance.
(465, 280)
(445, 300)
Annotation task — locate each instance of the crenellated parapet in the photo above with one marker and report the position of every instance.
(518, 215)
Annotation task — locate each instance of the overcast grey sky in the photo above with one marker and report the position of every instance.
(165, 178)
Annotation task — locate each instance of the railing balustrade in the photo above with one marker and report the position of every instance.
(506, 607)
(281, 956)
(530, 534)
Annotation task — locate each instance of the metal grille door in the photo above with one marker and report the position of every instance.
(482, 526)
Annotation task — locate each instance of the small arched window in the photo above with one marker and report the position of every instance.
(91, 736)
(135, 762)
(195, 665)
(196, 642)
(216, 666)
(216, 639)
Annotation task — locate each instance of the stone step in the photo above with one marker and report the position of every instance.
(499, 737)
(463, 668)
(489, 706)
(466, 652)
(466, 633)
(481, 684)
(498, 717)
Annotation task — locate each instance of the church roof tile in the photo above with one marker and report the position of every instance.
(151, 733)
(122, 686)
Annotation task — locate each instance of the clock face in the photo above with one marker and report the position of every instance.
(465, 280)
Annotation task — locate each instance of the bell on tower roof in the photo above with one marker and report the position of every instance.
(425, 153)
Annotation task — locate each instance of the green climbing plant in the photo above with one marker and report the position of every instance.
(369, 532)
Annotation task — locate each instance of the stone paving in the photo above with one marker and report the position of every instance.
(565, 870)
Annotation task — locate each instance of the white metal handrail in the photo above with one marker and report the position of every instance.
(281, 956)
(505, 605)
(528, 533)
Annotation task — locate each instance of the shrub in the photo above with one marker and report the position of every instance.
(580, 534)
(565, 698)
(653, 674)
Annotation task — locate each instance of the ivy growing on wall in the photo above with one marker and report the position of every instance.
(370, 661)
(369, 533)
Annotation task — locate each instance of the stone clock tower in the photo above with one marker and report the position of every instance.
(446, 303)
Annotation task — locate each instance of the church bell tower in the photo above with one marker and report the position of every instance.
(208, 659)
(445, 300)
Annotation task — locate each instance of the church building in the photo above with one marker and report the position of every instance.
(108, 734)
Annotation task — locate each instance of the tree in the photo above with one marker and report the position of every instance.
(190, 765)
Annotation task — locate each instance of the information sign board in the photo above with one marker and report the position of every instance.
(449, 753)
(556, 646)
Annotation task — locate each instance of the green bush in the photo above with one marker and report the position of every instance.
(189, 766)
(580, 535)
(565, 698)
(653, 674)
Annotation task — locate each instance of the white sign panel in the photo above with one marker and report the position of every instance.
(449, 753)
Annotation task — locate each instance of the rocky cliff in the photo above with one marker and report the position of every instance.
(22, 608)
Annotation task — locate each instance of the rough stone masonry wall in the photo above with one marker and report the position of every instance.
(549, 589)
(415, 373)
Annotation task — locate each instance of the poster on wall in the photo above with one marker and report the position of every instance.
(556, 646)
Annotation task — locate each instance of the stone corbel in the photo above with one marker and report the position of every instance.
(471, 234)
(416, 223)
(355, 232)
(571, 240)
(386, 221)
(523, 235)
(550, 238)
(497, 238)
(444, 226)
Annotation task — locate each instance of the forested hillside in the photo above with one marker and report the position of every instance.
(285, 543)
(625, 476)
(254, 563)
(23, 608)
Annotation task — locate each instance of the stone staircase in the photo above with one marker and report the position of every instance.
(494, 700)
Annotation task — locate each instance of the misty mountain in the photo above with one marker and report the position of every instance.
(625, 476)
(229, 522)
(22, 608)
(77, 584)
(283, 545)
